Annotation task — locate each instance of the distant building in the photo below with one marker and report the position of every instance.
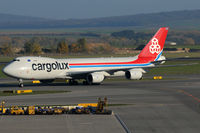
(170, 43)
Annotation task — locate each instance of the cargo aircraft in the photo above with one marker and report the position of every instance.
(92, 70)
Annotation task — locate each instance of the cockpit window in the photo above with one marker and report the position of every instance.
(16, 60)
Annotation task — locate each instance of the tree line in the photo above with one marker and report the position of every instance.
(103, 43)
(139, 38)
(33, 47)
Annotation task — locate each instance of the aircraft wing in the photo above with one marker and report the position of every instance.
(111, 71)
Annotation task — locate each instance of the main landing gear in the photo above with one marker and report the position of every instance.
(73, 82)
(21, 83)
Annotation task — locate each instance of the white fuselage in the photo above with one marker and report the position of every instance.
(43, 68)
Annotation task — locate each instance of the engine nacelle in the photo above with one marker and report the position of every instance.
(95, 78)
(162, 58)
(133, 74)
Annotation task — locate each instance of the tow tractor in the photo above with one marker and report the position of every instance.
(98, 109)
(15, 110)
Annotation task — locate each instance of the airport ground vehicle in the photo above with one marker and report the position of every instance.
(30, 110)
(98, 109)
(80, 110)
(59, 110)
(15, 110)
(46, 110)
(88, 108)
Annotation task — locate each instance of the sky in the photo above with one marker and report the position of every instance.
(76, 9)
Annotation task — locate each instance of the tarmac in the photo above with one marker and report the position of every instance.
(152, 106)
(60, 124)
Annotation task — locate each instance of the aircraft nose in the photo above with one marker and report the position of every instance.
(7, 70)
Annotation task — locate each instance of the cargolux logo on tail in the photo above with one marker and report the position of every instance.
(154, 47)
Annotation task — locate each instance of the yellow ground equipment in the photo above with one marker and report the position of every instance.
(18, 91)
(80, 110)
(88, 104)
(15, 110)
(58, 110)
(46, 110)
(84, 108)
(31, 110)
(36, 81)
(157, 77)
(24, 91)
(2, 108)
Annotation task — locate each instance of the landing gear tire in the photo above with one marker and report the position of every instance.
(84, 82)
(21, 83)
(73, 82)
(87, 83)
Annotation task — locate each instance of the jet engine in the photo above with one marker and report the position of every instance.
(133, 74)
(162, 58)
(95, 78)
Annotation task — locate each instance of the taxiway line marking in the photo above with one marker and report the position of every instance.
(190, 95)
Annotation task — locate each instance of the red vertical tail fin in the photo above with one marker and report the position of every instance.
(154, 48)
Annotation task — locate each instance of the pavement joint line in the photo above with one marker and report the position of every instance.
(122, 123)
(67, 123)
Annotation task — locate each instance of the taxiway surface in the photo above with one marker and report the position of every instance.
(154, 106)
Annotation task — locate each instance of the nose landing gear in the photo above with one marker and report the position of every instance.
(21, 83)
